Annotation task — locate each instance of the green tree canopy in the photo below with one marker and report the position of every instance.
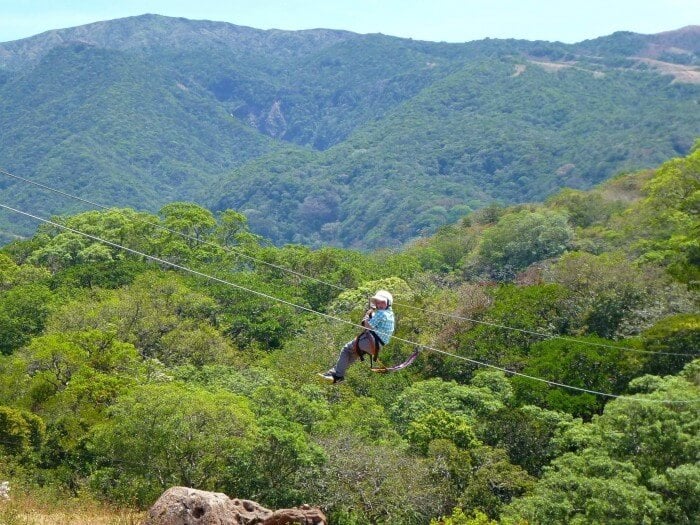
(522, 238)
(162, 435)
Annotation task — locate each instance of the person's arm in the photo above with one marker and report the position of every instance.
(368, 315)
(375, 319)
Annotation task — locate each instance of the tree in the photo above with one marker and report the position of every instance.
(494, 482)
(145, 313)
(458, 517)
(170, 434)
(444, 251)
(678, 334)
(70, 379)
(655, 436)
(578, 364)
(620, 467)
(281, 459)
(189, 219)
(424, 397)
(232, 229)
(123, 226)
(103, 274)
(584, 209)
(590, 487)
(8, 270)
(511, 325)
(522, 238)
(611, 296)
(23, 312)
(12, 274)
(364, 418)
(678, 486)
(292, 405)
(666, 221)
(526, 433)
(60, 248)
(450, 467)
(20, 431)
(195, 342)
(440, 424)
(61, 252)
(377, 484)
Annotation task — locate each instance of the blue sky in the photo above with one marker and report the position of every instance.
(437, 20)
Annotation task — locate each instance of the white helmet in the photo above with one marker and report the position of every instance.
(383, 295)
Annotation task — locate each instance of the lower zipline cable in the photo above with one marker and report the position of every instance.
(333, 318)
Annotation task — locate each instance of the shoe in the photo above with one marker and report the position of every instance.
(330, 376)
(327, 376)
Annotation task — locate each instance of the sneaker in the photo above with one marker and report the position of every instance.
(327, 376)
(330, 376)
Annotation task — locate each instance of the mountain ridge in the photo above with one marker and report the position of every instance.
(121, 34)
(153, 31)
(287, 125)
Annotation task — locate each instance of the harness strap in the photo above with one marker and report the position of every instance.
(375, 344)
(401, 366)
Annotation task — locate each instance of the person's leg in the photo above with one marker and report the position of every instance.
(348, 355)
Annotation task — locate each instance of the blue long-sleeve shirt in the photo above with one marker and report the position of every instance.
(382, 323)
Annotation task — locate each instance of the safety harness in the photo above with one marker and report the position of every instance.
(375, 345)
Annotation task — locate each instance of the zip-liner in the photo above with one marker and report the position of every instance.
(378, 323)
(389, 300)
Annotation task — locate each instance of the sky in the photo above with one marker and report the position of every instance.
(566, 21)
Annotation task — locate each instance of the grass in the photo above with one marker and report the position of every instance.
(28, 510)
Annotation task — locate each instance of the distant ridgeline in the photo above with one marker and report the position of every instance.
(329, 137)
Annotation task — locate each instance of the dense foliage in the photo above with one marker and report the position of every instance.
(329, 137)
(121, 376)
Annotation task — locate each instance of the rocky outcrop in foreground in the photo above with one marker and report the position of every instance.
(185, 506)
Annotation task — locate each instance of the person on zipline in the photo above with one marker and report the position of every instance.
(379, 327)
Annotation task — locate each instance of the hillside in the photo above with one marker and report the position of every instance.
(557, 383)
(503, 130)
(293, 127)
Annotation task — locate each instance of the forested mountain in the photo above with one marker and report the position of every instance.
(330, 137)
(558, 382)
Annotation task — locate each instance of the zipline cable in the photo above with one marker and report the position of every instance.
(174, 232)
(341, 288)
(327, 316)
(569, 339)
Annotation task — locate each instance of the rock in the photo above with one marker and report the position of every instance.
(305, 515)
(186, 506)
